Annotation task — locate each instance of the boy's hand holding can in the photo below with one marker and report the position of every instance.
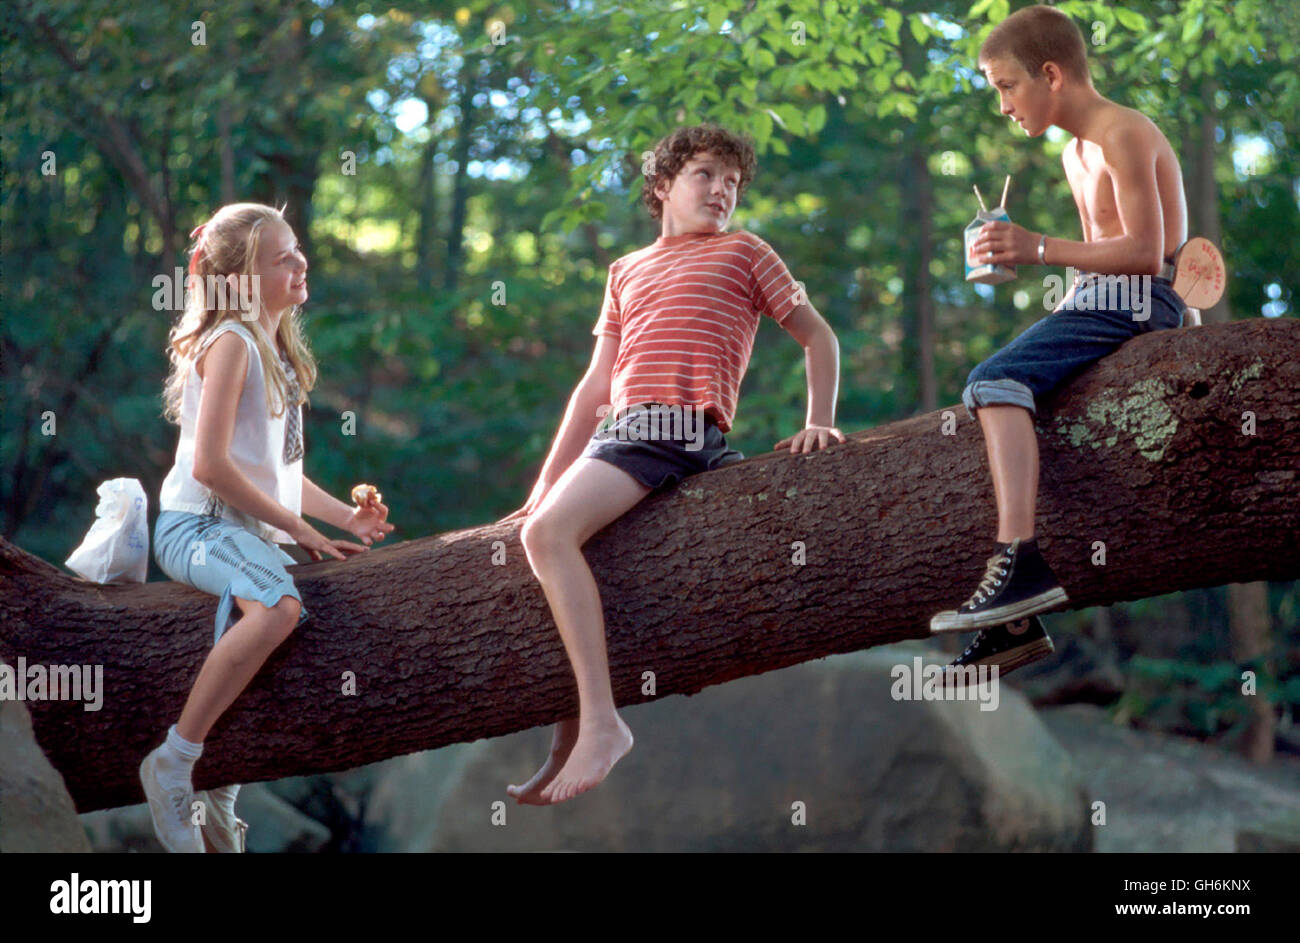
(983, 262)
(1005, 244)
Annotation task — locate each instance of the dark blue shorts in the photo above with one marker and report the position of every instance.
(661, 445)
(1093, 320)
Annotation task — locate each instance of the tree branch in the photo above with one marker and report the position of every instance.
(1143, 452)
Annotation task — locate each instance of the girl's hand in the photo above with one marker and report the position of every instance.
(369, 522)
(810, 439)
(316, 544)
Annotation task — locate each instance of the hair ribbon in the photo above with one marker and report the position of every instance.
(196, 233)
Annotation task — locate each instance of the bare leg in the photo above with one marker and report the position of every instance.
(1013, 461)
(233, 662)
(589, 495)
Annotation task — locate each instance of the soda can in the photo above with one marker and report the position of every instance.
(986, 272)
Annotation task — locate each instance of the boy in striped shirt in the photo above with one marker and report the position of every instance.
(672, 343)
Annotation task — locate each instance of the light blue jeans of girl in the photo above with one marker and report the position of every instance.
(225, 560)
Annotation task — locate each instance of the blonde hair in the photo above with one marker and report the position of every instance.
(228, 244)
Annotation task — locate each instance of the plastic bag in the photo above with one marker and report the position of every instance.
(116, 549)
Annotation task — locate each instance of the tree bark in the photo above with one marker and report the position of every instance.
(469, 87)
(1250, 627)
(919, 298)
(916, 206)
(1248, 618)
(1205, 194)
(450, 638)
(226, 121)
(427, 191)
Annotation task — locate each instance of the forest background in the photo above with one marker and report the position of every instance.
(462, 174)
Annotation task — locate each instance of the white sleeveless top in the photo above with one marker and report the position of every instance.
(261, 446)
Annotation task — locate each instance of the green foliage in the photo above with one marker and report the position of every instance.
(1202, 698)
(521, 179)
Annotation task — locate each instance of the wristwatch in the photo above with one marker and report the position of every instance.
(1042, 249)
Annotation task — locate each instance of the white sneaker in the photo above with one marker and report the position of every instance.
(224, 831)
(170, 810)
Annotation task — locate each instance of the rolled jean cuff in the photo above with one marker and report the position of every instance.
(997, 393)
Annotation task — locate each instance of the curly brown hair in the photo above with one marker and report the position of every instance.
(673, 152)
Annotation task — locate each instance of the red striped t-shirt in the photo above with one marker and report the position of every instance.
(685, 310)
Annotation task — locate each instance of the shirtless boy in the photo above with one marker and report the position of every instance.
(673, 341)
(1128, 187)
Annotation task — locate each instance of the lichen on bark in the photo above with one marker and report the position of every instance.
(1141, 412)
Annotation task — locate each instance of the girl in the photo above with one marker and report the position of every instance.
(240, 371)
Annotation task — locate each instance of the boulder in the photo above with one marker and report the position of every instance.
(276, 826)
(1281, 835)
(273, 825)
(816, 757)
(36, 812)
(408, 794)
(1169, 793)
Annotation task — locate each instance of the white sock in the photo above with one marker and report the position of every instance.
(176, 758)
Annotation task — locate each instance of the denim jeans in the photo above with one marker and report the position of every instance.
(1092, 321)
(224, 560)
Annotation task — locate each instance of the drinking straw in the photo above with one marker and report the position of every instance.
(980, 198)
(1006, 185)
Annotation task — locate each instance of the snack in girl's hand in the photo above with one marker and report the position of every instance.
(363, 495)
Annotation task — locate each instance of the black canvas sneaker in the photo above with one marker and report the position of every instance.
(1008, 646)
(1017, 583)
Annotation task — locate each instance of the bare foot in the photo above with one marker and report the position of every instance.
(562, 741)
(593, 756)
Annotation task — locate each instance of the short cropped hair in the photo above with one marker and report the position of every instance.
(673, 152)
(1036, 35)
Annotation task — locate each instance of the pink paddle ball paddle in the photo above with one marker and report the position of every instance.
(1199, 273)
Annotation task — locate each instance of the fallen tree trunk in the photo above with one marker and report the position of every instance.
(1176, 458)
